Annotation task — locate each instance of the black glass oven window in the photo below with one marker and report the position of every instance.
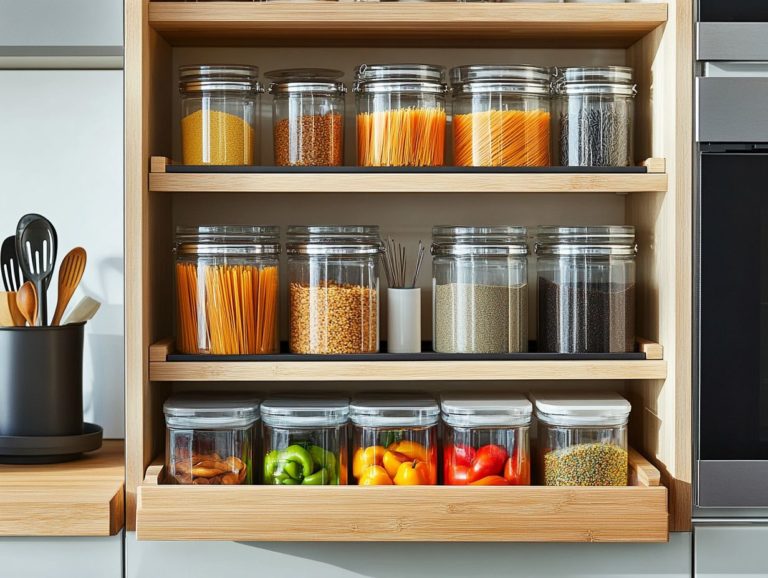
(733, 10)
(733, 355)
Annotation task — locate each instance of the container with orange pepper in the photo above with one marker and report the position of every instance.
(394, 440)
(485, 441)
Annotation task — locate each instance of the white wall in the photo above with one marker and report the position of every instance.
(61, 155)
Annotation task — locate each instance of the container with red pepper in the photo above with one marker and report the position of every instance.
(486, 440)
(395, 440)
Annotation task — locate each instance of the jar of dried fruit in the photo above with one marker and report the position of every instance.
(210, 440)
(333, 294)
(307, 117)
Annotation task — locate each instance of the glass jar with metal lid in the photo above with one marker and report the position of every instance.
(394, 440)
(219, 114)
(479, 289)
(305, 440)
(210, 439)
(333, 296)
(307, 116)
(400, 115)
(501, 116)
(582, 439)
(595, 116)
(586, 278)
(485, 440)
(227, 289)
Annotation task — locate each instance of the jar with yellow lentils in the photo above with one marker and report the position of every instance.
(219, 114)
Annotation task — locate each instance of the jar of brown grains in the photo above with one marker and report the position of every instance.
(333, 289)
(307, 116)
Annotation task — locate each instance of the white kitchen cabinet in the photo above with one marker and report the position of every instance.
(731, 551)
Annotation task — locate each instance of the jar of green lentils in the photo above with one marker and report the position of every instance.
(582, 439)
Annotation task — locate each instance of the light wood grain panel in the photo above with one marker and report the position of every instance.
(374, 24)
(80, 498)
(641, 471)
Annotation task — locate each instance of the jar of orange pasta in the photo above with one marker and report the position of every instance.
(400, 115)
(501, 116)
(227, 289)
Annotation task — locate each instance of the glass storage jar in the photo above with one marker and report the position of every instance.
(333, 296)
(305, 441)
(586, 278)
(582, 439)
(394, 440)
(210, 440)
(501, 116)
(227, 289)
(400, 115)
(485, 440)
(219, 114)
(479, 289)
(307, 117)
(596, 116)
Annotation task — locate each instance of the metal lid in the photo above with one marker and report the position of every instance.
(219, 77)
(228, 240)
(511, 410)
(305, 411)
(608, 240)
(305, 80)
(333, 240)
(388, 411)
(496, 240)
(199, 411)
(518, 78)
(616, 80)
(400, 78)
(586, 409)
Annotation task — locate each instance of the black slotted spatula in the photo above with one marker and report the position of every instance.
(36, 246)
(13, 277)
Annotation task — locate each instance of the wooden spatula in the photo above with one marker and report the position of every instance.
(26, 299)
(70, 273)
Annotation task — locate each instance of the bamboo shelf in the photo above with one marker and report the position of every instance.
(160, 181)
(653, 367)
(636, 513)
(428, 24)
(80, 498)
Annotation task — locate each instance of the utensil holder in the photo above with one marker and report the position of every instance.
(404, 320)
(41, 380)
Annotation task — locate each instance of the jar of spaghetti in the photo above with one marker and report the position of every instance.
(501, 116)
(400, 115)
(219, 114)
(333, 294)
(307, 117)
(227, 289)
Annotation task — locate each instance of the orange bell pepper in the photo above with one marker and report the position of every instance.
(490, 481)
(413, 450)
(392, 461)
(375, 476)
(363, 458)
(413, 473)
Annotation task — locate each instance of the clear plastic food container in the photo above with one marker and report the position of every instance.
(582, 439)
(333, 289)
(219, 114)
(307, 116)
(394, 440)
(227, 286)
(501, 116)
(210, 440)
(586, 285)
(479, 289)
(485, 440)
(400, 115)
(305, 441)
(596, 116)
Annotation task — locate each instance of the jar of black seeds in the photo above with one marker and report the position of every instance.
(586, 289)
(595, 116)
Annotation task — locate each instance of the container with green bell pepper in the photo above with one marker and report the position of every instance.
(305, 441)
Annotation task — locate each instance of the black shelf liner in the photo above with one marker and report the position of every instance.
(254, 169)
(426, 355)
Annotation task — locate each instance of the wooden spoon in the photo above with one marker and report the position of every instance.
(26, 299)
(70, 273)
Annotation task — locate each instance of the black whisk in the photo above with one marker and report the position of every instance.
(396, 264)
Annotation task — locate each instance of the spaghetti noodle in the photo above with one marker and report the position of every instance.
(502, 138)
(404, 137)
(227, 309)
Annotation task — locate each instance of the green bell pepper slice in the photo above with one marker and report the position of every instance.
(319, 478)
(296, 453)
(293, 469)
(270, 465)
(290, 482)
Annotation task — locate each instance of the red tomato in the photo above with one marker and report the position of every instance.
(517, 473)
(462, 455)
(490, 481)
(489, 461)
(456, 476)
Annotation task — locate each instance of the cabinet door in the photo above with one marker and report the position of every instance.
(62, 557)
(730, 551)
